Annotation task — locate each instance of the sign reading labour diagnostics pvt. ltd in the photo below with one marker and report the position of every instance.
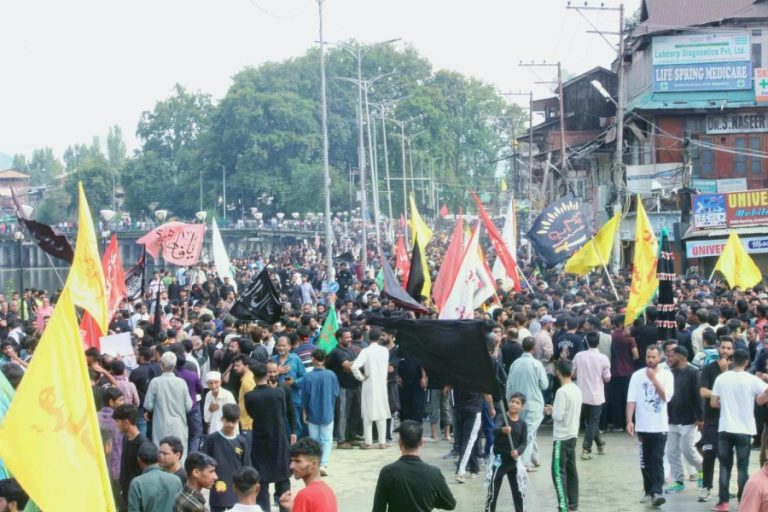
(718, 61)
(732, 209)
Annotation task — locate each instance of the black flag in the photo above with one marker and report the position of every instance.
(134, 279)
(416, 274)
(260, 301)
(45, 236)
(453, 352)
(559, 231)
(395, 291)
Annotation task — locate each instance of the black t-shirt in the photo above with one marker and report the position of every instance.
(645, 336)
(338, 356)
(510, 351)
(570, 345)
(129, 464)
(708, 376)
(467, 402)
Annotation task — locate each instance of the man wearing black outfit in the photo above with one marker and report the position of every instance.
(708, 440)
(511, 349)
(409, 483)
(268, 407)
(140, 377)
(125, 417)
(646, 334)
(570, 343)
(340, 362)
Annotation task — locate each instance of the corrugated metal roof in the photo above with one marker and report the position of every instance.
(664, 15)
(724, 233)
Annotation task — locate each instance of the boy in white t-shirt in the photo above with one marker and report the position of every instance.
(735, 393)
(650, 389)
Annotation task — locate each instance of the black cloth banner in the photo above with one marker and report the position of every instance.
(260, 301)
(665, 272)
(416, 274)
(50, 241)
(559, 231)
(395, 291)
(135, 277)
(453, 352)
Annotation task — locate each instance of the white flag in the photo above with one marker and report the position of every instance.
(220, 258)
(509, 236)
(460, 303)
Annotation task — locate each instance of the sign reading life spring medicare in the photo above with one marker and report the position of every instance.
(711, 248)
(702, 62)
(731, 209)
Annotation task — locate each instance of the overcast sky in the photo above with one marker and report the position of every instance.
(73, 68)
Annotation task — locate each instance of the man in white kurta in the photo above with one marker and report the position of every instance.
(374, 361)
(169, 402)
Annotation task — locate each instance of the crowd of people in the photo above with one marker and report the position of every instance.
(212, 412)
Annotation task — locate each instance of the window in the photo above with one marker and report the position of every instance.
(756, 163)
(740, 158)
(707, 159)
(757, 55)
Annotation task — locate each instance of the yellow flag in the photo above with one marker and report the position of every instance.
(596, 252)
(503, 184)
(86, 277)
(736, 265)
(50, 438)
(644, 281)
(422, 235)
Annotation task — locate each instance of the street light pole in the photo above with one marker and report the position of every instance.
(331, 271)
(361, 160)
(19, 237)
(223, 191)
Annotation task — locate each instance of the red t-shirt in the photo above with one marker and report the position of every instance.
(316, 497)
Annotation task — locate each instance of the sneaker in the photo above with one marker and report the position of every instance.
(585, 455)
(451, 455)
(705, 495)
(658, 500)
(720, 507)
(646, 498)
(675, 488)
(692, 478)
(617, 430)
(700, 479)
(474, 475)
(601, 449)
(459, 479)
(323, 471)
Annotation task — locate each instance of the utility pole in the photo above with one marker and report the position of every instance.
(386, 165)
(330, 270)
(563, 150)
(530, 151)
(618, 168)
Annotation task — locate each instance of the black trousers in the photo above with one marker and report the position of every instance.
(262, 500)
(592, 431)
(564, 474)
(708, 444)
(617, 400)
(412, 402)
(506, 468)
(652, 460)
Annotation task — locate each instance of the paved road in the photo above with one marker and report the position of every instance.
(607, 483)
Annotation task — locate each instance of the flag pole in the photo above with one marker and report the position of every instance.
(712, 275)
(528, 284)
(602, 262)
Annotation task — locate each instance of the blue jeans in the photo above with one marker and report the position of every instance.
(725, 445)
(195, 426)
(141, 423)
(323, 434)
(487, 427)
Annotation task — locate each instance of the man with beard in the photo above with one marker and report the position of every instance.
(650, 390)
(711, 416)
(684, 415)
(269, 447)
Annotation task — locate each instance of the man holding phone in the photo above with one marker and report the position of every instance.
(708, 441)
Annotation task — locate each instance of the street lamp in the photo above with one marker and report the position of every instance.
(224, 190)
(201, 216)
(106, 216)
(19, 237)
(160, 215)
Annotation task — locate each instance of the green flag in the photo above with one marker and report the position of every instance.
(327, 340)
(380, 279)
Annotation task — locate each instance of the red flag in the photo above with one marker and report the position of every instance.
(502, 252)
(114, 281)
(402, 263)
(181, 243)
(444, 211)
(450, 265)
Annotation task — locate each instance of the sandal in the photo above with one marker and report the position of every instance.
(366, 447)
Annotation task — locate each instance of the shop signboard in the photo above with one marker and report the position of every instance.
(731, 209)
(718, 61)
(713, 248)
(737, 122)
